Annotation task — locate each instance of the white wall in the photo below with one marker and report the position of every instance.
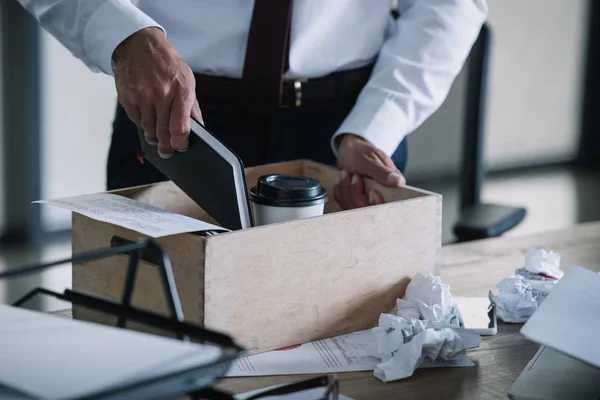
(77, 113)
(536, 80)
(534, 96)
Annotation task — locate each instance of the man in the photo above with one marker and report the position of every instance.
(336, 81)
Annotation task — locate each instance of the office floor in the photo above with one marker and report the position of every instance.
(555, 197)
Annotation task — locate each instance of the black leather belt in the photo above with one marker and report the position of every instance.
(342, 87)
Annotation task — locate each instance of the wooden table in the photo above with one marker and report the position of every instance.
(471, 269)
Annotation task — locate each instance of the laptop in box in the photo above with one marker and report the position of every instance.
(567, 365)
(210, 173)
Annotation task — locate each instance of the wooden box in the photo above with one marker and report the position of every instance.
(282, 284)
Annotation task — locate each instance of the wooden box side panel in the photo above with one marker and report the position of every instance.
(106, 277)
(290, 283)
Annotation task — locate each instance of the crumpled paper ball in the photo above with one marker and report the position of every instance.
(426, 328)
(427, 298)
(541, 265)
(402, 345)
(520, 295)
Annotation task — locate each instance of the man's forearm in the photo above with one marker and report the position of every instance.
(415, 69)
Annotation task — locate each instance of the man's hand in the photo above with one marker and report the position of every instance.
(358, 158)
(157, 89)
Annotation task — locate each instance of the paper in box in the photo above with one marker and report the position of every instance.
(282, 284)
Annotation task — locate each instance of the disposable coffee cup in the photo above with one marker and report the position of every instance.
(280, 198)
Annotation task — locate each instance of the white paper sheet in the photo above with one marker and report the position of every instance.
(344, 353)
(140, 217)
(50, 357)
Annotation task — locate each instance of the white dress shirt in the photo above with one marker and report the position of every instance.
(420, 54)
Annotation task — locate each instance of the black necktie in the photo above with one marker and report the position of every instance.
(266, 55)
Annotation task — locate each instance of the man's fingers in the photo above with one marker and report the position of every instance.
(388, 176)
(375, 198)
(395, 178)
(337, 194)
(342, 191)
(396, 174)
(162, 131)
(134, 113)
(343, 186)
(149, 124)
(357, 192)
(346, 191)
(179, 124)
(196, 113)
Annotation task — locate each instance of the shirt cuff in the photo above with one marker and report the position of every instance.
(377, 119)
(108, 26)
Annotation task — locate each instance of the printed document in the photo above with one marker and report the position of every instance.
(122, 211)
(344, 353)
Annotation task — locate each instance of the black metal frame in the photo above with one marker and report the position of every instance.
(21, 131)
(473, 163)
(330, 383)
(589, 146)
(174, 324)
(134, 250)
(478, 220)
(201, 377)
